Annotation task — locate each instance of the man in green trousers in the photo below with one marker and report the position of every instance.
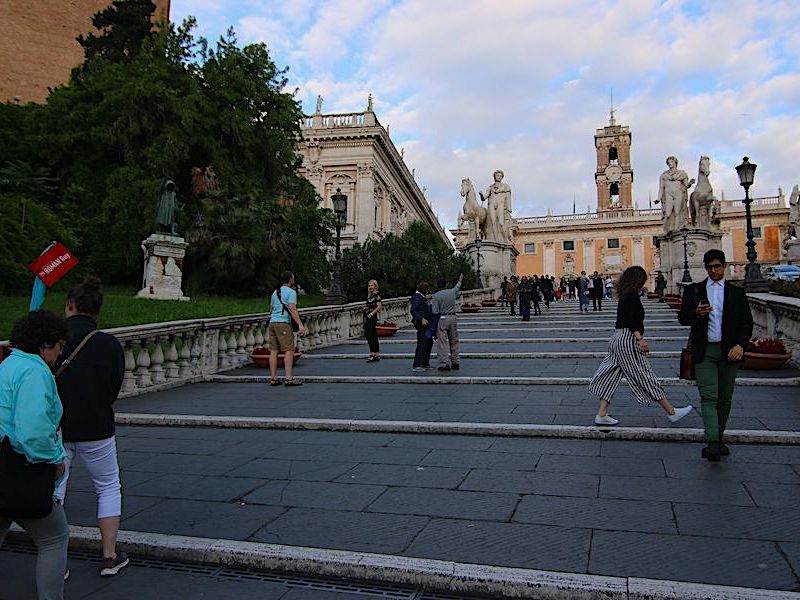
(721, 322)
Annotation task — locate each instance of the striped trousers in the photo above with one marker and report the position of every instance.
(625, 359)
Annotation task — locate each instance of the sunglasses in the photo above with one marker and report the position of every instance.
(714, 266)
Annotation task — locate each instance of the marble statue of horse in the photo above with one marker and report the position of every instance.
(472, 210)
(702, 198)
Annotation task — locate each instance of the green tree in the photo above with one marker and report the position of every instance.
(400, 262)
(123, 27)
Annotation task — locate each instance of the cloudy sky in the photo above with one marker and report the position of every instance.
(469, 86)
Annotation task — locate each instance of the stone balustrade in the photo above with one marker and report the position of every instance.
(777, 317)
(163, 355)
(593, 217)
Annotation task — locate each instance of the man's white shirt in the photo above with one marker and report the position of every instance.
(716, 298)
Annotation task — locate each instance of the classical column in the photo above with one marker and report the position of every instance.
(549, 258)
(588, 256)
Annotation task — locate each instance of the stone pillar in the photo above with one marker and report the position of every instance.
(163, 267)
(549, 258)
(638, 252)
(364, 211)
(588, 256)
(697, 242)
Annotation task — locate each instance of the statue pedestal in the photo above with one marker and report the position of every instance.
(793, 249)
(163, 267)
(496, 260)
(698, 241)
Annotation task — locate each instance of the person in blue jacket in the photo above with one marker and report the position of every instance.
(422, 317)
(30, 414)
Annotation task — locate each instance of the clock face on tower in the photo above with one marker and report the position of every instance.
(613, 173)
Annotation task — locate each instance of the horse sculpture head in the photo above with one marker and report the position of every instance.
(705, 165)
(466, 186)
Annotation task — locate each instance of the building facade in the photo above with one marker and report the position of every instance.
(618, 235)
(38, 49)
(353, 152)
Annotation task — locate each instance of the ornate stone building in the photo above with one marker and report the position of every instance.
(38, 48)
(619, 235)
(354, 152)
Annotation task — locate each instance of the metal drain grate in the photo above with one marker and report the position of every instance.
(386, 591)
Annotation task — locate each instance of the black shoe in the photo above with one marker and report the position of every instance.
(711, 452)
(724, 450)
(455, 367)
(112, 566)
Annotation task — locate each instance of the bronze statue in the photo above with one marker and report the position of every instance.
(167, 206)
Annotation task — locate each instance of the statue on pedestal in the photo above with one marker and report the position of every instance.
(473, 212)
(794, 212)
(498, 208)
(672, 194)
(702, 198)
(167, 205)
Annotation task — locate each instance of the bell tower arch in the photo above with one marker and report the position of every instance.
(614, 174)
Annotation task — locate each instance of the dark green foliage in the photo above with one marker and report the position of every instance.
(398, 263)
(155, 105)
(124, 26)
(26, 228)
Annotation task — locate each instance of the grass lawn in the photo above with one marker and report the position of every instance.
(121, 308)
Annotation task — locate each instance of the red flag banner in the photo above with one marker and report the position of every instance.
(53, 264)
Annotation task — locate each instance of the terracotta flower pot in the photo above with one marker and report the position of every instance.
(754, 361)
(386, 329)
(260, 356)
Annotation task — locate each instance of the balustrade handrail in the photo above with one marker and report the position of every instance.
(171, 353)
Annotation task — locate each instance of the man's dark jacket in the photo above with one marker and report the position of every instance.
(597, 290)
(737, 321)
(90, 383)
(420, 309)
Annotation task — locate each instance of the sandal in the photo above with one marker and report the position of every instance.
(274, 381)
(292, 382)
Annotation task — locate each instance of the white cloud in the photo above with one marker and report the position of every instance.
(470, 85)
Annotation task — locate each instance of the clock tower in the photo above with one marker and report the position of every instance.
(614, 174)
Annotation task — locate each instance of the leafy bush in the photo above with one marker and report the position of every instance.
(398, 263)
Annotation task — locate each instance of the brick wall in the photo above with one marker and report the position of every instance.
(37, 43)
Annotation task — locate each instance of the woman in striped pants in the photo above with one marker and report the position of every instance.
(627, 355)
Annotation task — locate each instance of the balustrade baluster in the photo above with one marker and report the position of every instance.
(196, 353)
(156, 360)
(129, 379)
(171, 369)
(223, 363)
(259, 335)
(143, 378)
(233, 357)
(250, 340)
(241, 346)
(185, 356)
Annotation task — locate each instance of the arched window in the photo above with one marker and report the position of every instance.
(613, 192)
(613, 158)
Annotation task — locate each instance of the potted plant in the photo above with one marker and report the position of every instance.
(765, 353)
(489, 302)
(467, 307)
(260, 356)
(386, 328)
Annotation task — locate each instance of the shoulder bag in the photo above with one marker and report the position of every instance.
(295, 325)
(26, 489)
(687, 361)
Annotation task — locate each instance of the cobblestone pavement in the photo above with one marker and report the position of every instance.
(633, 509)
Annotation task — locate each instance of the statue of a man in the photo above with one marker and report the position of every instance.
(794, 212)
(319, 104)
(672, 194)
(498, 209)
(167, 205)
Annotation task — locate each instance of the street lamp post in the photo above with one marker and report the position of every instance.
(753, 279)
(687, 277)
(335, 293)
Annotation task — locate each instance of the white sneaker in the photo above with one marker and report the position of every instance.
(418, 369)
(607, 420)
(680, 413)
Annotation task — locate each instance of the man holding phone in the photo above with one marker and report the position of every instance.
(721, 322)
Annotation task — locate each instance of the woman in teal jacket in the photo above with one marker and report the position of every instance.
(30, 414)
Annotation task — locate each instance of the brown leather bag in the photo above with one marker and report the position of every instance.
(687, 361)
